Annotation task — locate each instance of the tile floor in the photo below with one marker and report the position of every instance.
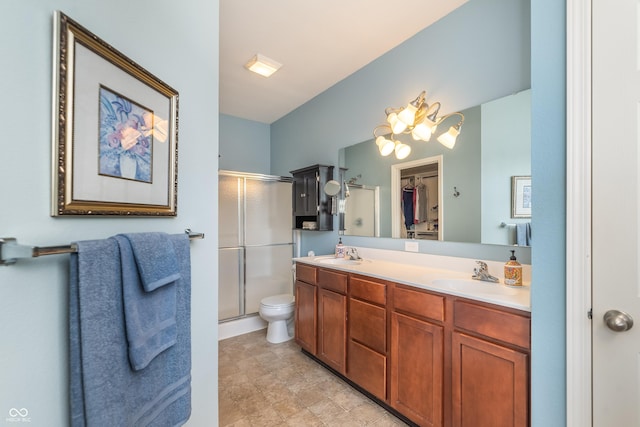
(263, 384)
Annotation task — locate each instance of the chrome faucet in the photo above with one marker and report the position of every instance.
(482, 273)
(352, 253)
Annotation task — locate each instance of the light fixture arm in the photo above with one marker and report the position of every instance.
(387, 128)
(446, 116)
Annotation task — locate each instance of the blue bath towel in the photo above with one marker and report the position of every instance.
(150, 317)
(523, 234)
(104, 390)
(155, 258)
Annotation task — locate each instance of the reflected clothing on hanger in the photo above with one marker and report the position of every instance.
(408, 206)
(421, 209)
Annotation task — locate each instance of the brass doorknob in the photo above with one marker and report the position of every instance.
(618, 321)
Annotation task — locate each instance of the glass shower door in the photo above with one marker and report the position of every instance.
(230, 249)
(255, 242)
(268, 240)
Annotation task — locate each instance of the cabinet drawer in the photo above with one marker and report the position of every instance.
(333, 280)
(419, 303)
(368, 369)
(368, 325)
(367, 290)
(493, 323)
(306, 273)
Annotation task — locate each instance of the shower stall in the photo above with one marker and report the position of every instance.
(255, 241)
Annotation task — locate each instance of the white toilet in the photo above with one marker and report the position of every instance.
(277, 310)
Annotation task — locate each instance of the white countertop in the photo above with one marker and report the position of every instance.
(448, 281)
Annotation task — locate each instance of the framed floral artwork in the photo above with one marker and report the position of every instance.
(115, 138)
(520, 197)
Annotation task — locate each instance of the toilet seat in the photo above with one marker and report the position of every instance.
(283, 300)
(278, 310)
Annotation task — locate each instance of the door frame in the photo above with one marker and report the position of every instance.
(579, 400)
(396, 211)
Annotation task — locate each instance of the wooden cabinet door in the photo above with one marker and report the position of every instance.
(332, 329)
(305, 193)
(368, 369)
(417, 357)
(367, 351)
(305, 320)
(490, 384)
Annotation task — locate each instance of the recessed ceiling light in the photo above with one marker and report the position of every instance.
(262, 65)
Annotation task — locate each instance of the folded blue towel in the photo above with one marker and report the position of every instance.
(104, 391)
(150, 317)
(523, 234)
(155, 259)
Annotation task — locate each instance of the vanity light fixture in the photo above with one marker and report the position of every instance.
(418, 119)
(262, 65)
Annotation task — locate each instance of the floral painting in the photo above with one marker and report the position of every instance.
(126, 137)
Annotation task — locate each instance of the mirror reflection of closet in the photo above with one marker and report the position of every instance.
(418, 213)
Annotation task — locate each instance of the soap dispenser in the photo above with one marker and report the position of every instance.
(513, 271)
(340, 249)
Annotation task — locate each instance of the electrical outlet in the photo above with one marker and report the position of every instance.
(411, 246)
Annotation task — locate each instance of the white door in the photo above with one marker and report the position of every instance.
(616, 219)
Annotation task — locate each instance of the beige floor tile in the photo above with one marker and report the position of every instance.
(264, 384)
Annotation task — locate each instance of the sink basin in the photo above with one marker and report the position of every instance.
(338, 261)
(475, 286)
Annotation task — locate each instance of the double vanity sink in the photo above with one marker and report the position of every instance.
(416, 334)
(440, 280)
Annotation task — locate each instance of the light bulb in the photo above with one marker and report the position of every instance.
(386, 146)
(397, 126)
(408, 115)
(402, 150)
(421, 132)
(449, 139)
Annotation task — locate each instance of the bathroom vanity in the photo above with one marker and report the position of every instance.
(422, 341)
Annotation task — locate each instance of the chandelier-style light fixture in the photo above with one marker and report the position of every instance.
(418, 119)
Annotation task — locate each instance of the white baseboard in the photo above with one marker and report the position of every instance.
(234, 328)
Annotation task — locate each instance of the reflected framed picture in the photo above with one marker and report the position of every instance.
(115, 131)
(521, 197)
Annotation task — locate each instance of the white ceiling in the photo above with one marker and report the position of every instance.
(319, 43)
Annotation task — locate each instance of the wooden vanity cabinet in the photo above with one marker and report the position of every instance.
(490, 366)
(417, 355)
(367, 343)
(306, 293)
(436, 359)
(332, 319)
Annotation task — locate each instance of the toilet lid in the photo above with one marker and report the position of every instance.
(278, 300)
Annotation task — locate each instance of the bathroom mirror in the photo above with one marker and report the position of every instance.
(475, 176)
(332, 188)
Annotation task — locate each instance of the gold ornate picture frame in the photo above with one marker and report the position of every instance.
(115, 131)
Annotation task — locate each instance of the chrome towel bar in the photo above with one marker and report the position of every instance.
(11, 250)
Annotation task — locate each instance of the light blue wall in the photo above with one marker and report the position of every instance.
(245, 145)
(176, 41)
(548, 160)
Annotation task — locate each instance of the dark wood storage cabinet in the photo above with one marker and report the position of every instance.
(435, 359)
(310, 202)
